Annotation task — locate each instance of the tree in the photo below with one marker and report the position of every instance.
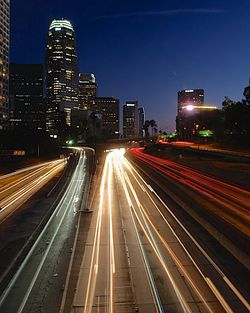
(145, 128)
(153, 126)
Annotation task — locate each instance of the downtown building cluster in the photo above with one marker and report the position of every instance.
(193, 116)
(55, 96)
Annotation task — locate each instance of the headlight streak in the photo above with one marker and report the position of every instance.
(111, 239)
(154, 291)
(155, 247)
(70, 191)
(93, 271)
(20, 180)
(171, 252)
(27, 189)
(215, 266)
(17, 172)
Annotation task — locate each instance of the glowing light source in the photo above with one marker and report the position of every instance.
(190, 107)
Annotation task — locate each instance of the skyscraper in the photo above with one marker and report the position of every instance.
(87, 91)
(62, 77)
(130, 119)
(27, 109)
(141, 118)
(4, 61)
(109, 110)
(194, 97)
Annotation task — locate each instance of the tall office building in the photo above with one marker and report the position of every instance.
(130, 119)
(87, 91)
(27, 110)
(109, 109)
(141, 118)
(4, 61)
(62, 77)
(187, 97)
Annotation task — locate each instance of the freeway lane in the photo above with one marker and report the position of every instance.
(18, 187)
(32, 284)
(163, 275)
(104, 283)
(214, 260)
(233, 200)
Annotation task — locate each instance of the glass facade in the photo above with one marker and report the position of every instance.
(27, 109)
(87, 91)
(130, 119)
(62, 77)
(187, 97)
(109, 110)
(141, 120)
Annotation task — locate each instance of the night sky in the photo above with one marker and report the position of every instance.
(146, 50)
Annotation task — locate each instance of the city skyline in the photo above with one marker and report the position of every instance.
(153, 51)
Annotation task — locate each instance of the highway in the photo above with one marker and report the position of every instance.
(233, 199)
(19, 186)
(151, 244)
(34, 282)
(185, 192)
(137, 259)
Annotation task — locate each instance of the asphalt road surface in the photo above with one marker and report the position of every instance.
(31, 287)
(139, 260)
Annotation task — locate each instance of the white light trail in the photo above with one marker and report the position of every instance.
(228, 282)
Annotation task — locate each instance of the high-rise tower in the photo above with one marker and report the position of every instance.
(4, 62)
(108, 107)
(130, 119)
(141, 119)
(87, 91)
(187, 97)
(62, 78)
(26, 105)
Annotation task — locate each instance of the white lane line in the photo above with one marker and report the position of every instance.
(93, 270)
(232, 287)
(154, 292)
(156, 249)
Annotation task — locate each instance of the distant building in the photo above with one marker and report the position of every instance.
(4, 61)
(62, 77)
(130, 119)
(109, 109)
(27, 110)
(87, 91)
(194, 97)
(192, 119)
(141, 119)
(190, 101)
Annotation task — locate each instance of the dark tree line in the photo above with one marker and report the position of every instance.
(236, 119)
